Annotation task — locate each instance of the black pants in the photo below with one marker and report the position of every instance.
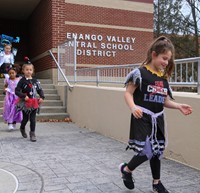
(155, 164)
(26, 117)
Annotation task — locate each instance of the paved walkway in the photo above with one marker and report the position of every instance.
(68, 159)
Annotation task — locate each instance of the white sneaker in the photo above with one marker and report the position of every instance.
(10, 127)
(14, 126)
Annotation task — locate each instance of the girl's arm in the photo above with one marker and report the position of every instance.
(40, 90)
(12, 60)
(184, 108)
(5, 88)
(128, 95)
(18, 90)
(5, 85)
(41, 94)
(1, 58)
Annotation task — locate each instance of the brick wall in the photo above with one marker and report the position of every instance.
(16, 28)
(58, 22)
(40, 34)
(40, 24)
(46, 29)
(122, 57)
(131, 24)
(100, 15)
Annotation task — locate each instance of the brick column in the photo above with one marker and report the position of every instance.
(58, 22)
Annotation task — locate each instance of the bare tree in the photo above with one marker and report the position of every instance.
(193, 5)
(171, 19)
(167, 17)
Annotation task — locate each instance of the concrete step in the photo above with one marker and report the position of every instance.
(44, 86)
(47, 97)
(45, 81)
(52, 109)
(48, 109)
(51, 97)
(45, 103)
(46, 91)
(1, 97)
(52, 103)
(42, 81)
(50, 91)
(48, 116)
(48, 86)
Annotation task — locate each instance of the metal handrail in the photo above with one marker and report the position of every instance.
(186, 73)
(110, 66)
(60, 69)
(187, 60)
(177, 61)
(96, 71)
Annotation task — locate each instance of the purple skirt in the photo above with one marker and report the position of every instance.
(10, 113)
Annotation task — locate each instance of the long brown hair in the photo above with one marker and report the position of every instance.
(161, 45)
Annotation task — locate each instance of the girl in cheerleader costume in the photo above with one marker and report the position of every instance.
(10, 114)
(27, 90)
(147, 93)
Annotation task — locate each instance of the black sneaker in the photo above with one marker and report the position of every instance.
(159, 188)
(126, 176)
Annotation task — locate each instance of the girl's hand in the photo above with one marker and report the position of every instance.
(4, 91)
(185, 109)
(40, 100)
(26, 98)
(137, 112)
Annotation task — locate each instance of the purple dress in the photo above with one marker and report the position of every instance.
(10, 114)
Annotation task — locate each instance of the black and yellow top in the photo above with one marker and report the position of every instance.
(152, 89)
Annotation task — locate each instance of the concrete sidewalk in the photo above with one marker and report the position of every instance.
(68, 159)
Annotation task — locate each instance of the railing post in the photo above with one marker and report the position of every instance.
(98, 75)
(198, 83)
(75, 58)
(61, 71)
(58, 55)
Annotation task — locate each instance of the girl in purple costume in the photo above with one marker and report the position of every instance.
(10, 114)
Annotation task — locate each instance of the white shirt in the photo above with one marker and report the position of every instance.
(6, 58)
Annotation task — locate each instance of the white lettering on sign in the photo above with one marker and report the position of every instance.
(96, 53)
(120, 39)
(92, 37)
(100, 45)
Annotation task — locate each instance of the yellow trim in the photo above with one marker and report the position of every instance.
(158, 73)
(116, 4)
(108, 26)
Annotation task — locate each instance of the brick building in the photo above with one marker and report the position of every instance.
(108, 31)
